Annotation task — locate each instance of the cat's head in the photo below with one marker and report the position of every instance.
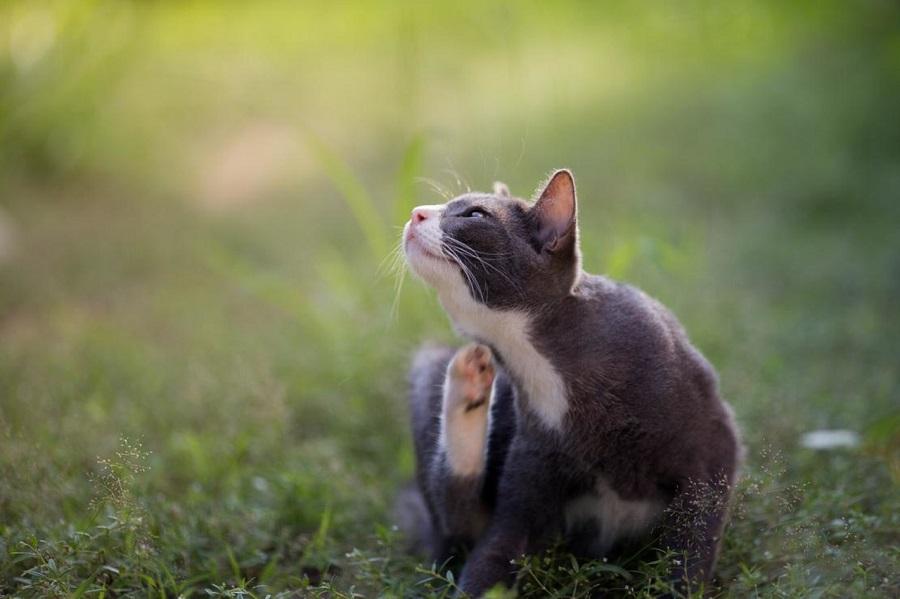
(501, 251)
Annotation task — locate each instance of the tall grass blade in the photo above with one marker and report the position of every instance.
(354, 193)
(407, 176)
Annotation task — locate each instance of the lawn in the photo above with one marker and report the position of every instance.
(205, 328)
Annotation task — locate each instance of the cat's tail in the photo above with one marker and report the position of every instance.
(411, 513)
(412, 519)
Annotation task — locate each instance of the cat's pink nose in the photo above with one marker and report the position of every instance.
(418, 215)
(422, 213)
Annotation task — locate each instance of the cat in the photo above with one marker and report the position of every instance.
(580, 411)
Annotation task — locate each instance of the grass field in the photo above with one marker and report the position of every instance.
(203, 343)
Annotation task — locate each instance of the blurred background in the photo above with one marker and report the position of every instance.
(203, 338)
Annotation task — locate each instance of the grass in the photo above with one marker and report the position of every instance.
(203, 349)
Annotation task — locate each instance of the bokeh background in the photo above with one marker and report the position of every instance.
(203, 338)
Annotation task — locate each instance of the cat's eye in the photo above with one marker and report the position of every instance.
(475, 213)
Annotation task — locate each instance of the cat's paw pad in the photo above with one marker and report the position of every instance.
(471, 375)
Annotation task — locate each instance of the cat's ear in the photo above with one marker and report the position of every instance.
(500, 189)
(554, 212)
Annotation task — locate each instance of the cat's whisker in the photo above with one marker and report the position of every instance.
(461, 183)
(389, 257)
(437, 187)
(399, 264)
(391, 261)
(474, 281)
(396, 268)
(482, 253)
(470, 252)
(398, 290)
(467, 272)
(521, 153)
(491, 256)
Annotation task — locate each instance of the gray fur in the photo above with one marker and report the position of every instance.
(645, 424)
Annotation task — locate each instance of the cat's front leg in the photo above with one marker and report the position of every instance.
(527, 518)
(467, 395)
(457, 474)
(692, 530)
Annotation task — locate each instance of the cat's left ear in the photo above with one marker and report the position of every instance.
(554, 213)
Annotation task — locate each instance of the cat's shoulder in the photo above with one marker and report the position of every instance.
(598, 290)
(623, 306)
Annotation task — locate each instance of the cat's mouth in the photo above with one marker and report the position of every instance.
(414, 244)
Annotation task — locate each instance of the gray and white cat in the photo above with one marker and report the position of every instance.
(582, 410)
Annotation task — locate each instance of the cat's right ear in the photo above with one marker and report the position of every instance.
(554, 213)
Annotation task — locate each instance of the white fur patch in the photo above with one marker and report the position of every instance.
(614, 517)
(506, 330)
(464, 434)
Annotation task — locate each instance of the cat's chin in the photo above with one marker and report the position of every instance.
(434, 270)
(415, 249)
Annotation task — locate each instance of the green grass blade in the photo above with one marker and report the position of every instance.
(410, 169)
(360, 202)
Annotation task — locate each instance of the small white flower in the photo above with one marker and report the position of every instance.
(830, 439)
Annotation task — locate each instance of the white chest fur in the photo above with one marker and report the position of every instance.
(615, 518)
(508, 330)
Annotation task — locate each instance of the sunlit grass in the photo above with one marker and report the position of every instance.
(737, 162)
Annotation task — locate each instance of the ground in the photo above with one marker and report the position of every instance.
(203, 345)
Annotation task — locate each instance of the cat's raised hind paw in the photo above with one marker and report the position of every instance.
(470, 377)
(467, 395)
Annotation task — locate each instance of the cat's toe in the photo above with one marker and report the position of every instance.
(473, 373)
(475, 363)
